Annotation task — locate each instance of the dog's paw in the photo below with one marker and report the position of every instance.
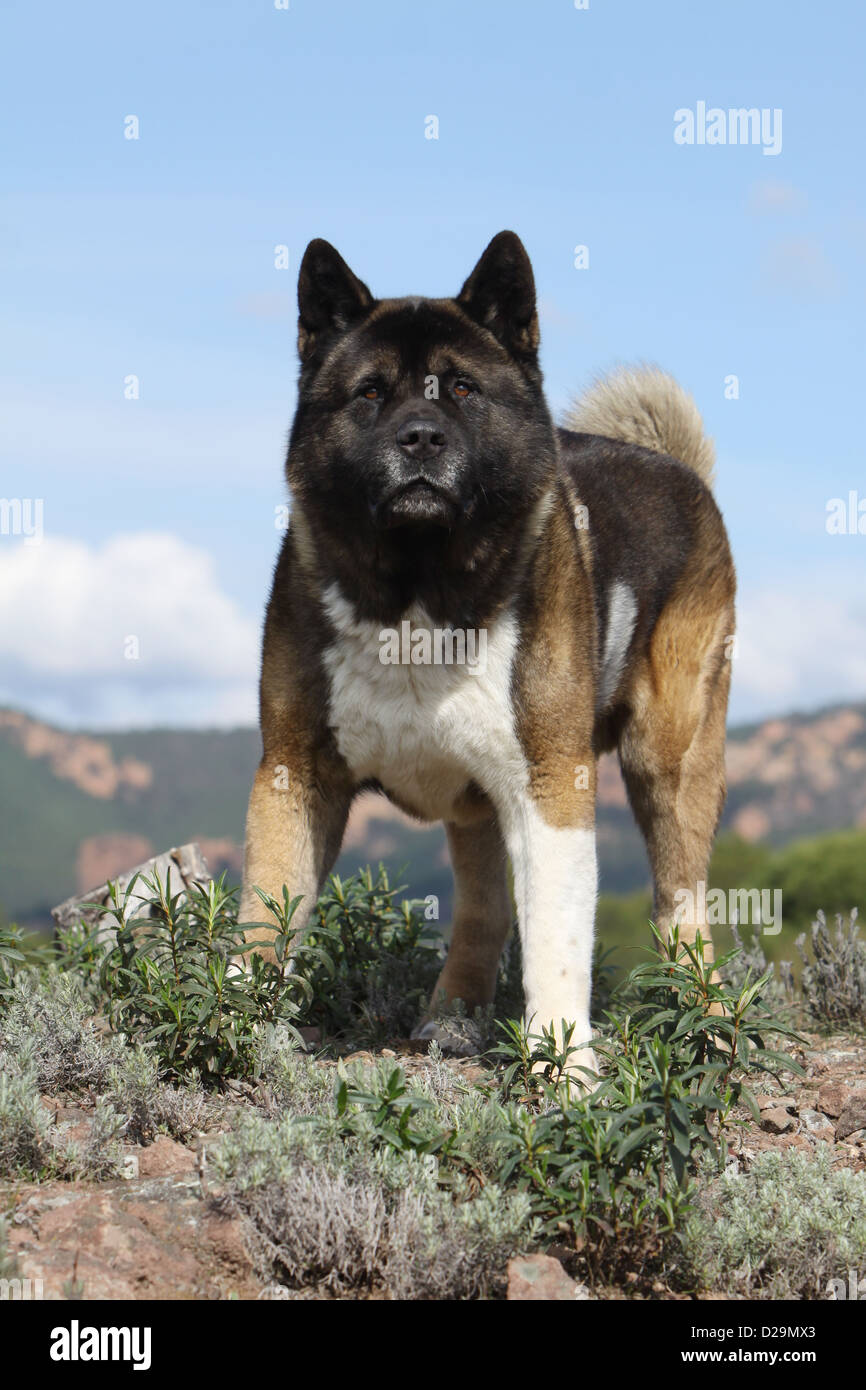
(451, 1043)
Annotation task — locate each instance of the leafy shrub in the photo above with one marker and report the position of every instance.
(24, 1126)
(48, 1043)
(80, 949)
(152, 1106)
(834, 973)
(11, 957)
(358, 1194)
(784, 1229)
(32, 1146)
(173, 979)
(290, 1080)
(379, 960)
(617, 1163)
(361, 971)
(610, 1173)
(48, 1015)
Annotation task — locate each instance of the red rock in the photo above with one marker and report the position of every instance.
(540, 1278)
(853, 1114)
(165, 1158)
(832, 1097)
(776, 1121)
(154, 1238)
(794, 1141)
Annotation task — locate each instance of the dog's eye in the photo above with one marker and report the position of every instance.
(462, 388)
(371, 392)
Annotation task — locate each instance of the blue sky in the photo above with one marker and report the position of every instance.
(262, 127)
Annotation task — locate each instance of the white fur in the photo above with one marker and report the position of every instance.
(621, 615)
(555, 886)
(645, 406)
(424, 732)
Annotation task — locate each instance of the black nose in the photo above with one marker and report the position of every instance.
(421, 438)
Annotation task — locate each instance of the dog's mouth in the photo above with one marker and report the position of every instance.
(417, 502)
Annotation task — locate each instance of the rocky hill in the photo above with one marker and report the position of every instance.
(79, 807)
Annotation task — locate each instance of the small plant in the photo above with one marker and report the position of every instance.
(784, 1229)
(33, 1146)
(750, 960)
(174, 980)
(614, 1168)
(382, 960)
(80, 950)
(153, 1106)
(834, 973)
(11, 957)
(48, 1016)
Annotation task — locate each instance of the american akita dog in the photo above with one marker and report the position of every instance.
(430, 487)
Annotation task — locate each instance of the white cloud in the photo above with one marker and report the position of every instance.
(798, 650)
(70, 613)
(773, 196)
(66, 610)
(801, 267)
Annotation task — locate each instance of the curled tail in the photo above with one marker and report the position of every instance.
(643, 405)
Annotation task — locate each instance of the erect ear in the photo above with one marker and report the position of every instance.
(330, 297)
(500, 295)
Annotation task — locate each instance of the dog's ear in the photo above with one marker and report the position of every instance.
(330, 297)
(500, 295)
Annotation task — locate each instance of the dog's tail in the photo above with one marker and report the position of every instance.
(643, 405)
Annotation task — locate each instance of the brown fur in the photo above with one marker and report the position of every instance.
(514, 546)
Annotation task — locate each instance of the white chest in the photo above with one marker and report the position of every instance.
(420, 723)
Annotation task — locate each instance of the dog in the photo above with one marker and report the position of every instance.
(432, 494)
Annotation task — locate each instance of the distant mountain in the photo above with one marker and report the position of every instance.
(77, 808)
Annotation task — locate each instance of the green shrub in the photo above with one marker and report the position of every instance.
(363, 1190)
(609, 1173)
(11, 957)
(361, 971)
(618, 1162)
(834, 973)
(173, 980)
(34, 1147)
(784, 1229)
(48, 1014)
(379, 961)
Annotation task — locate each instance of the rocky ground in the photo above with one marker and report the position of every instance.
(159, 1232)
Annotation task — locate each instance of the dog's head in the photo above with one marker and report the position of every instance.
(420, 419)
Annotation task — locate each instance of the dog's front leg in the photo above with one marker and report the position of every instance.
(294, 831)
(550, 833)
